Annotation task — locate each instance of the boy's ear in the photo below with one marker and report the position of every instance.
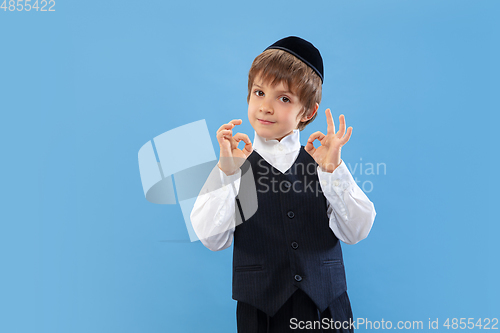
(306, 118)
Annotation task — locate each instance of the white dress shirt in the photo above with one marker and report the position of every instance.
(350, 211)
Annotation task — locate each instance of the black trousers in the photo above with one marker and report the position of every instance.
(298, 314)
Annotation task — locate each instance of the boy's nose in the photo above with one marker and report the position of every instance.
(265, 106)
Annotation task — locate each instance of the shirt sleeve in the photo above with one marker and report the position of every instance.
(213, 214)
(350, 211)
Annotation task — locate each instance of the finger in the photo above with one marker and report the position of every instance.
(234, 142)
(236, 121)
(224, 143)
(242, 137)
(225, 126)
(310, 146)
(341, 126)
(329, 122)
(226, 134)
(230, 124)
(346, 137)
(316, 135)
(248, 144)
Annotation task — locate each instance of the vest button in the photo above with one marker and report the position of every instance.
(295, 245)
(291, 214)
(298, 278)
(286, 184)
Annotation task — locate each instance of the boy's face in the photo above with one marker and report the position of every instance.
(273, 111)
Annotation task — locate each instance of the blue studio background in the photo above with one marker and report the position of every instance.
(84, 87)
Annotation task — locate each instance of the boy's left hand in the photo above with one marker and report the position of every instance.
(328, 154)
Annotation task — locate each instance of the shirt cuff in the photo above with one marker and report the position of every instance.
(337, 181)
(230, 182)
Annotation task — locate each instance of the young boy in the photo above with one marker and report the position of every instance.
(288, 271)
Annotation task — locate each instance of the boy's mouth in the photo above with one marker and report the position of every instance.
(265, 121)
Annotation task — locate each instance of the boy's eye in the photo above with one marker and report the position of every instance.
(259, 93)
(285, 99)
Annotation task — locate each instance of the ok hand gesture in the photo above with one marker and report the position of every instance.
(231, 157)
(328, 154)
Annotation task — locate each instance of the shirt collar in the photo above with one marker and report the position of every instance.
(288, 144)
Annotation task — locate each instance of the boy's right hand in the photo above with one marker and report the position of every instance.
(231, 158)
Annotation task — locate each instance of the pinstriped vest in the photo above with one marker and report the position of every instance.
(287, 244)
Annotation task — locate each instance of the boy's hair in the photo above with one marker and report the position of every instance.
(275, 66)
